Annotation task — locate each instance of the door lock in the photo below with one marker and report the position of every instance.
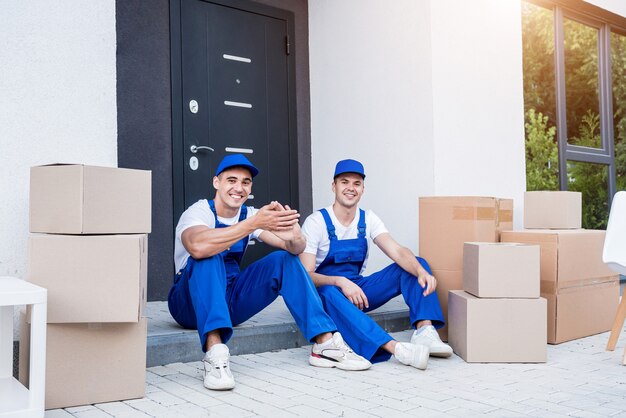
(196, 148)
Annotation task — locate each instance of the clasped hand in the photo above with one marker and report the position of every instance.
(281, 220)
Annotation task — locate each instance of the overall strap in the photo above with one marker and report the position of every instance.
(361, 226)
(329, 225)
(243, 214)
(212, 206)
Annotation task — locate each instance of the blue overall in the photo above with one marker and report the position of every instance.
(213, 294)
(345, 258)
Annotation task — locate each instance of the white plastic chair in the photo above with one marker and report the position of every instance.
(614, 255)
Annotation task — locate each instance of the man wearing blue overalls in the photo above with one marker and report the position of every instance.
(335, 256)
(211, 294)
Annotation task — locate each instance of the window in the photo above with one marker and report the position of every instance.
(618, 76)
(575, 104)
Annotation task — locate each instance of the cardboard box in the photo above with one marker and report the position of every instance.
(446, 223)
(98, 278)
(567, 256)
(497, 330)
(552, 210)
(90, 363)
(80, 199)
(580, 311)
(582, 292)
(501, 270)
(447, 280)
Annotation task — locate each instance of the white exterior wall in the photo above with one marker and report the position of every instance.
(371, 100)
(478, 100)
(57, 102)
(427, 94)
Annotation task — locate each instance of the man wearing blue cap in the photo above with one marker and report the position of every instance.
(336, 255)
(211, 294)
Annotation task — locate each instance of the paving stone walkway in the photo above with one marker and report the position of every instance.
(580, 379)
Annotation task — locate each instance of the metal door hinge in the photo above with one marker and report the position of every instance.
(287, 45)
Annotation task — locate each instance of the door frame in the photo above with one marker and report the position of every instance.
(178, 152)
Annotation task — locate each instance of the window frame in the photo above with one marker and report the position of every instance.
(567, 151)
(606, 23)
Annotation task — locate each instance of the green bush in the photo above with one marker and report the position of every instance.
(542, 155)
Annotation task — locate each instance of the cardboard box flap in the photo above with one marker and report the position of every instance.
(464, 208)
(554, 287)
(52, 205)
(104, 185)
(573, 245)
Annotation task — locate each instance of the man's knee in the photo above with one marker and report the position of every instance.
(214, 261)
(210, 271)
(285, 260)
(281, 257)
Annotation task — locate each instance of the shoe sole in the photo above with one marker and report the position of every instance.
(328, 364)
(220, 387)
(442, 354)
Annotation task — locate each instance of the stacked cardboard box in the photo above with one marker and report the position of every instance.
(96, 335)
(582, 293)
(500, 316)
(445, 224)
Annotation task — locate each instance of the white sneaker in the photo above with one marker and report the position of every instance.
(415, 355)
(337, 354)
(429, 337)
(217, 375)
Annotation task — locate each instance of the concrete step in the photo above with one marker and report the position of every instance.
(271, 329)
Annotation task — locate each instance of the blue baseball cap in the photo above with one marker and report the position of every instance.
(236, 160)
(349, 166)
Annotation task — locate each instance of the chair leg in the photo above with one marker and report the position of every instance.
(617, 325)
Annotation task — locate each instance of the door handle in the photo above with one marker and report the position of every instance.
(196, 148)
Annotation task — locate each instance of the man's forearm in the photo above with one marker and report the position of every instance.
(296, 245)
(324, 280)
(211, 241)
(409, 263)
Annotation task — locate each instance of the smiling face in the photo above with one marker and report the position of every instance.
(348, 189)
(232, 188)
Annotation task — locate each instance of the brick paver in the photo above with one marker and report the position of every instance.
(580, 379)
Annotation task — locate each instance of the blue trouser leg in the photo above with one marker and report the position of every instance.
(279, 273)
(198, 298)
(360, 331)
(392, 281)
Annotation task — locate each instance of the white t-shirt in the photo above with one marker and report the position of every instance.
(316, 234)
(200, 214)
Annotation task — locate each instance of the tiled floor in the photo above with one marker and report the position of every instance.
(580, 379)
